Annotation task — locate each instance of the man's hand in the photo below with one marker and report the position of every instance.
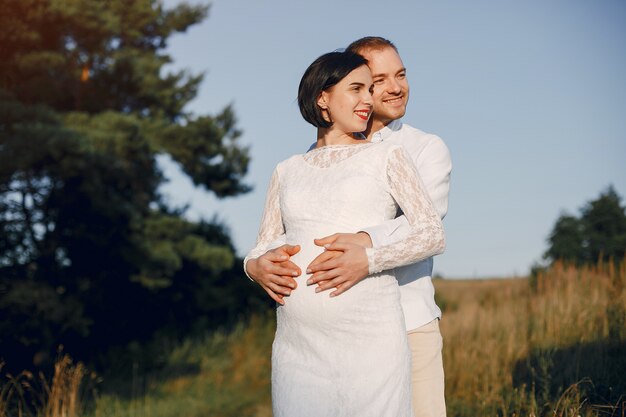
(342, 264)
(274, 272)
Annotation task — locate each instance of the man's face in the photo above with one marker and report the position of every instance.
(391, 87)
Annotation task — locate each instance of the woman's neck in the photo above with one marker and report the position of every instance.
(330, 136)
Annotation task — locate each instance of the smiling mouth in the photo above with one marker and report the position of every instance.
(394, 100)
(363, 114)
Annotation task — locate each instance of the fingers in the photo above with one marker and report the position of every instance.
(292, 249)
(273, 263)
(326, 240)
(287, 250)
(329, 283)
(283, 270)
(360, 238)
(323, 272)
(274, 256)
(321, 259)
(341, 288)
(290, 269)
(278, 280)
(277, 274)
(339, 284)
(279, 289)
(339, 246)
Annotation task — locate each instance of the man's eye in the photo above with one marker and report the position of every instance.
(379, 81)
(402, 75)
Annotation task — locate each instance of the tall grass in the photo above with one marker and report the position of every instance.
(551, 345)
(27, 395)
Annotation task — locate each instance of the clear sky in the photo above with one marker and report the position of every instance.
(530, 97)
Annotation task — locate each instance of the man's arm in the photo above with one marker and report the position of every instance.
(345, 268)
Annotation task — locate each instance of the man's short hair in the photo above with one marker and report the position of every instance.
(370, 42)
(325, 72)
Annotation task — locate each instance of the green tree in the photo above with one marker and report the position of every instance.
(90, 256)
(604, 223)
(599, 232)
(566, 239)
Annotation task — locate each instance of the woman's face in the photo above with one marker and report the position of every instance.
(349, 102)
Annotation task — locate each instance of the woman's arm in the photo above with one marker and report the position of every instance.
(270, 232)
(425, 237)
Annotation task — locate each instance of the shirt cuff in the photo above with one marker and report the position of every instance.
(373, 268)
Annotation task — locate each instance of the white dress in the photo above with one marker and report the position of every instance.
(345, 356)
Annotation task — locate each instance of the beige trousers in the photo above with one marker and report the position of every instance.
(427, 371)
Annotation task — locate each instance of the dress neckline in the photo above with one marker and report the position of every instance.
(311, 156)
(341, 145)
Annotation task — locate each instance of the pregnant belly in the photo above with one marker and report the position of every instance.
(374, 298)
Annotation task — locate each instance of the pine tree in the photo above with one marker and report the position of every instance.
(90, 256)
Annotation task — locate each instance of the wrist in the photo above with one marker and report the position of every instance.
(250, 268)
(365, 239)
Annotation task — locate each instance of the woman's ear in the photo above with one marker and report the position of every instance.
(322, 100)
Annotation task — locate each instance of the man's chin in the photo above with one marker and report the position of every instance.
(393, 114)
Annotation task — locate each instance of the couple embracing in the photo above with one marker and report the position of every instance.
(346, 243)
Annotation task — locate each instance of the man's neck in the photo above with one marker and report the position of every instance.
(374, 126)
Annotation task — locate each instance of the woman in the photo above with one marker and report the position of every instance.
(348, 355)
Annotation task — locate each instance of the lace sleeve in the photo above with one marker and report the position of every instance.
(426, 237)
(271, 223)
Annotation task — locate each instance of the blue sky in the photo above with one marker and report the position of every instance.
(529, 96)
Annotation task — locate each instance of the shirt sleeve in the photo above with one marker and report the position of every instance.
(272, 231)
(425, 237)
(435, 167)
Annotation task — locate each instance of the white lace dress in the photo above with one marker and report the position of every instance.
(348, 355)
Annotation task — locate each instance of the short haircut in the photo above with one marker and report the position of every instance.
(325, 72)
(370, 42)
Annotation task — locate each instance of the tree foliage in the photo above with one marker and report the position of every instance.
(90, 256)
(599, 232)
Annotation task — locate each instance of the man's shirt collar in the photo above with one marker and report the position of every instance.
(386, 131)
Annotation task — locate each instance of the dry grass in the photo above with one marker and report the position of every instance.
(25, 395)
(550, 346)
(62, 396)
(514, 347)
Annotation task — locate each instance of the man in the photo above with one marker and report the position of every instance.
(344, 262)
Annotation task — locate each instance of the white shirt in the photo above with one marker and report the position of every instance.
(432, 159)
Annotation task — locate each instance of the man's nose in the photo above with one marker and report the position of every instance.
(394, 86)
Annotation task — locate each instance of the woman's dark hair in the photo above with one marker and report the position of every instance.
(322, 74)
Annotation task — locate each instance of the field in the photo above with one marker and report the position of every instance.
(550, 345)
